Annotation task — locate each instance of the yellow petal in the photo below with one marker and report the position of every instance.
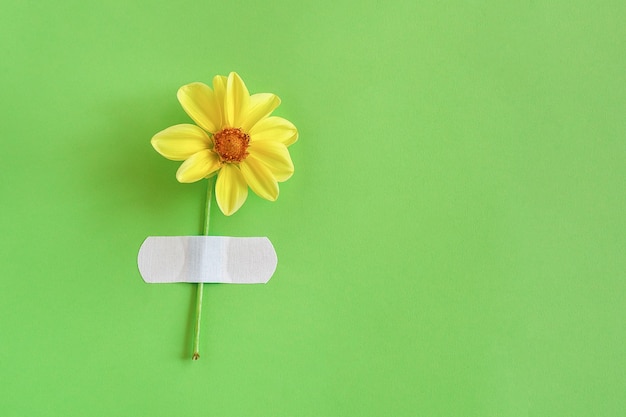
(237, 100)
(199, 165)
(200, 104)
(276, 129)
(219, 89)
(231, 189)
(259, 178)
(261, 105)
(273, 155)
(180, 142)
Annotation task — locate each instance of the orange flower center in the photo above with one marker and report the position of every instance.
(231, 144)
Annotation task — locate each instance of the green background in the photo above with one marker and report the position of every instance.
(453, 241)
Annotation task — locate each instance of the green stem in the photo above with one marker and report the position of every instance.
(199, 292)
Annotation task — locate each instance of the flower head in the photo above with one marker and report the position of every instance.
(234, 138)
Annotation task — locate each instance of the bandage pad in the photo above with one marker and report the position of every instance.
(219, 259)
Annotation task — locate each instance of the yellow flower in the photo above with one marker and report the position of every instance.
(235, 138)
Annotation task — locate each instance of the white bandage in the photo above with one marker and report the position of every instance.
(233, 260)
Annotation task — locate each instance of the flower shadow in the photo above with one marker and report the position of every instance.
(126, 165)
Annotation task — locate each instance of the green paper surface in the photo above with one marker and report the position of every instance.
(453, 241)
